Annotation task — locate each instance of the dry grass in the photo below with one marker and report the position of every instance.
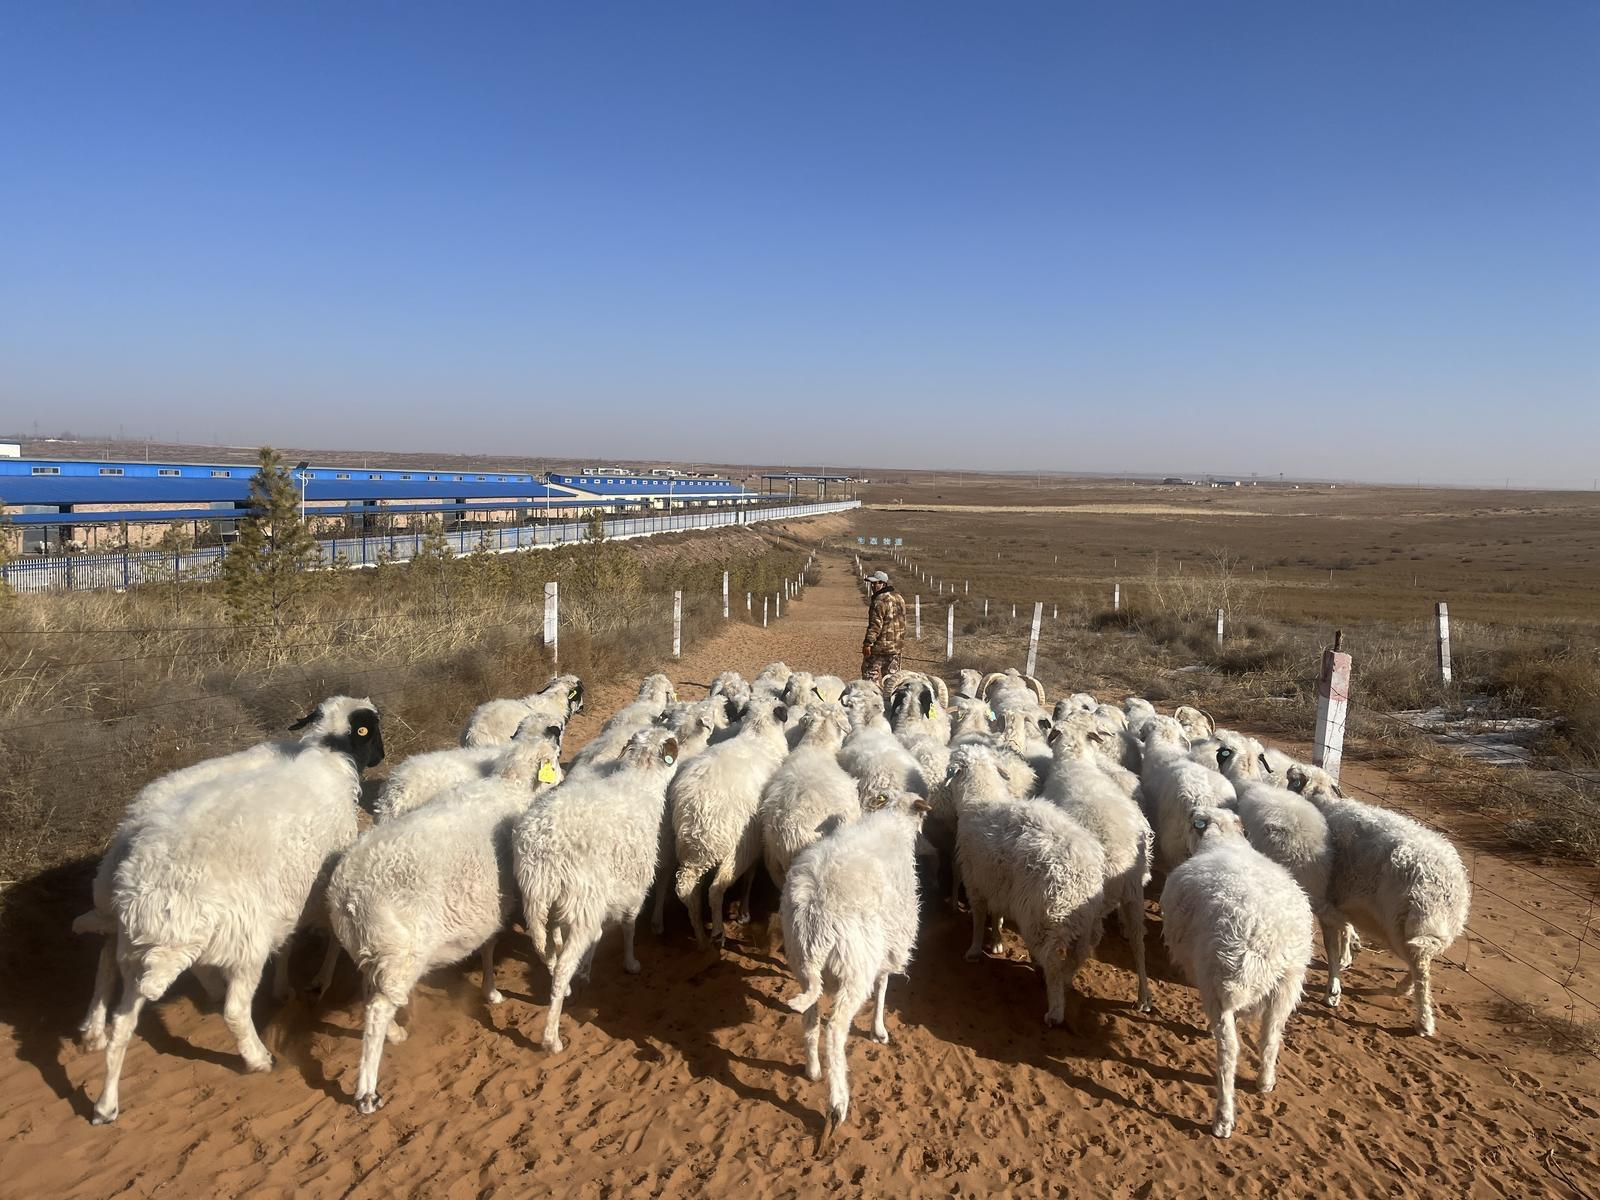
(1512, 656)
(99, 693)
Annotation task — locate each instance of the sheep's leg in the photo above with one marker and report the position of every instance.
(567, 958)
(242, 985)
(724, 878)
(630, 964)
(879, 1030)
(1132, 917)
(688, 890)
(980, 922)
(847, 1002)
(749, 888)
(1274, 1015)
(122, 1023)
(281, 988)
(1227, 1035)
(375, 1031)
(212, 981)
(1334, 952)
(996, 945)
(668, 867)
(1052, 964)
(330, 963)
(586, 966)
(955, 883)
(491, 994)
(1422, 991)
(813, 1041)
(93, 1029)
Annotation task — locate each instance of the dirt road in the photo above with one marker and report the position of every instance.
(687, 1079)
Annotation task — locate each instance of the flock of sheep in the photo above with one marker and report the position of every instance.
(847, 793)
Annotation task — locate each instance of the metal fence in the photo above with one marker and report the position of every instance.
(85, 572)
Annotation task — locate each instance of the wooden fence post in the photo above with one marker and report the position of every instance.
(1033, 638)
(1441, 615)
(1333, 702)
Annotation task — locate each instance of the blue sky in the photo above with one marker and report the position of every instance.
(1356, 240)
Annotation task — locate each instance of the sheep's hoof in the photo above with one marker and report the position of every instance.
(814, 1072)
(974, 955)
(369, 1103)
(553, 1044)
(658, 927)
(1144, 1005)
(92, 1039)
(103, 1116)
(881, 1035)
(264, 1063)
(830, 1129)
(395, 1034)
(997, 949)
(1051, 1021)
(1425, 1028)
(493, 996)
(1222, 1127)
(1332, 997)
(631, 966)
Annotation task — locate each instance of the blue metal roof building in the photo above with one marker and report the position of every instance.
(625, 486)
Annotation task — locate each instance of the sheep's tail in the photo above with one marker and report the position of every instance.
(160, 965)
(94, 921)
(805, 942)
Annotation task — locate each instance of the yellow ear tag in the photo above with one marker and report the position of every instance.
(547, 772)
(936, 713)
(361, 732)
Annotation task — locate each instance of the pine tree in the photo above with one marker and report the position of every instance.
(5, 557)
(263, 572)
(435, 561)
(597, 526)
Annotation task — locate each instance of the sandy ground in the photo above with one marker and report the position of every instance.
(687, 1079)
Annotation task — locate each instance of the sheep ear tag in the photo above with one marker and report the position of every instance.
(361, 731)
(667, 758)
(547, 772)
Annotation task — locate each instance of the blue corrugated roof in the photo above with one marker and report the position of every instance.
(134, 516)
(68, 489)
(653, 486)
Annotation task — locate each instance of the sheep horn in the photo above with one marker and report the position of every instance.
(942, 690)
(1038, 689)
(983, 688)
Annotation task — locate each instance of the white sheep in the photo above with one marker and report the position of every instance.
(1078, 785)
(1012, 689)
(771, 680)
(1238, 925)
(809, 793)
(732, 685)
(1174, 786)
(715, 800)
(216, 879)
(584, 856)
(968, 683)
(1395, 880)
(655, 694)
(425, 890)
(849, 913)
(1027, 861)
(1195, 723)
(421, 777)
(871, 753)
(495, 722)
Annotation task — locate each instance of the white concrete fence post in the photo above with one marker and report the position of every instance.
(986, 606)
(1013, 612)
(777, 607)
(1441, 615)
(917, 608)
(764, 600)
(950, 634)
(1333, 702)
(1033, 638)
(1116, 597)
(551, 619)
(1055, 612)
(677, 624)
(749, 604)
(724, 595)
(1219, 627)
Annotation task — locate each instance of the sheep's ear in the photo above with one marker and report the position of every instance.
(1096, 736)
(729, 707)
(780, 714)
(817, 692)
(927, 702)
(1053, 737)
(921, 807)
(308, 718)
(1337, 792)
(669, 751)
(1265, 765)
(1044, 726)
(554, 732)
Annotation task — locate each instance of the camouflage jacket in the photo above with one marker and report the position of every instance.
(886, 623)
